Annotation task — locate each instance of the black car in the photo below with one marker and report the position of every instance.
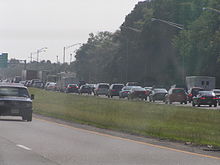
(15, 101)
(115, 89)
(72, 88)
(85, 89)
(158, 94)
(205, 98)
(217, 94)
(193, 92)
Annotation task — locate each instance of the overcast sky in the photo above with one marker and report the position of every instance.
(28, 25)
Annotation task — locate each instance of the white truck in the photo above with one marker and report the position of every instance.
(205, 82)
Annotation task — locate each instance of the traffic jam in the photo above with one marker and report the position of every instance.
(199, 91)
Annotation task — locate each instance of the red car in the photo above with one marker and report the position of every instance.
(176, 95)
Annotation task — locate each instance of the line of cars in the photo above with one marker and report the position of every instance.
(132, 90)
(196, 95)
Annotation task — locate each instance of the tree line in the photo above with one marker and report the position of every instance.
(151, 52)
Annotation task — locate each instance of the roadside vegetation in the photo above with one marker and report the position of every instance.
(194, 125)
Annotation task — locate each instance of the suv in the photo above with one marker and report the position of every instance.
(101, 89)
(15, 101)
(115, 89)
(176, 95)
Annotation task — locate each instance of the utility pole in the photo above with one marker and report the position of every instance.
(67, 47)
(64, 54)
(71, 57)
(31, 57)
(57, 60)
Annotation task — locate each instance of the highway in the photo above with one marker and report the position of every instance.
(46, 142)
(174, 104)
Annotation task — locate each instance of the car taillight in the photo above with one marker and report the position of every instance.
(190, 95)
(202, 98)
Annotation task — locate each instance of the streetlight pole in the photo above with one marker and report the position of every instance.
(67, 47)
(71, 55)
(57, 59)
(44, 49)
(177, 26)
(127, 47)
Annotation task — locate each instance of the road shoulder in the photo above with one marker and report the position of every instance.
(159, 143)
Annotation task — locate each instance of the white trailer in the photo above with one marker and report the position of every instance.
(205, 82)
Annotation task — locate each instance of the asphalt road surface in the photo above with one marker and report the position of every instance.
(42, 142)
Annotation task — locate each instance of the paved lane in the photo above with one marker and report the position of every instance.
(42, 142)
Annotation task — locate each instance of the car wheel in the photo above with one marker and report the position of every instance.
(198, 105)
(185, 102)
(193, 104)
(210, 105)
(29, 118)
(215, 105)
(111, 96)
(181, 102)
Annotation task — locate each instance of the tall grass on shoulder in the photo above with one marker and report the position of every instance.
(163, 121)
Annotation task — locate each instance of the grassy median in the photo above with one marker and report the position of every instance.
(163, 121)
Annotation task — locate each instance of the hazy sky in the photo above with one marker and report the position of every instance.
(28, 25)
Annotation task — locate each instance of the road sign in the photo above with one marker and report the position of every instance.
(3, 60)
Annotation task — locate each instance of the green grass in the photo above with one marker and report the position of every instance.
(199, 126)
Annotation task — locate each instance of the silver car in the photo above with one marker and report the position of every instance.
(101, 89)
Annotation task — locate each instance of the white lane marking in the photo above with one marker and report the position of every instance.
(24, 147)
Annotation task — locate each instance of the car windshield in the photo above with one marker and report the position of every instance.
(196, 90)
(13, 91)
(178, 91)
(72, 85)
(160, 90)
(104, 86)
(216, 91)
(127, 88)
(138, 89)
(117, 87)
(206, 93)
